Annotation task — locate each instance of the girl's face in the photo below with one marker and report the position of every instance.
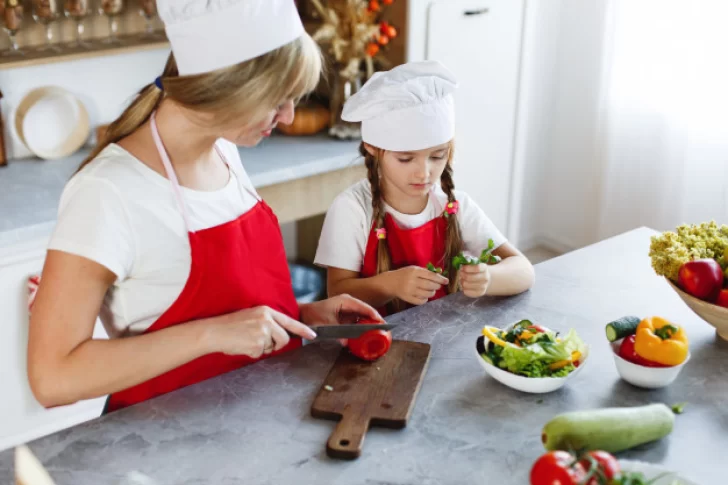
(250, 136)
(411, 174)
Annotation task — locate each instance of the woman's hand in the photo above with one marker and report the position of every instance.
(254, 332)
(474, 279)
(336, 310)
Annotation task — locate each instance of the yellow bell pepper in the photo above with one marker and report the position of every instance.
(525, 335)
(575, 356)
(489, 333)
(661, 341)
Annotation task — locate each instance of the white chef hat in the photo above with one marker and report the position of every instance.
(211, 34)
(410, 107)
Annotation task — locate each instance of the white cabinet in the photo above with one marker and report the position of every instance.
(480, 41)
(21, 417)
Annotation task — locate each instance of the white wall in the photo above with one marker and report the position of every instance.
(557, 123)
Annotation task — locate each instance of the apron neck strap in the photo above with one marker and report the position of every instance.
(171, 175)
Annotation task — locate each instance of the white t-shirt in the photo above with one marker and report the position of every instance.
(123, 215)
(348, 223)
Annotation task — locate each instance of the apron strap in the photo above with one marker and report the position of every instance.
(172, 176)
(170, 171)
(239, 175)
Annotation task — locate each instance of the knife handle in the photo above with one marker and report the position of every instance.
(348, 437)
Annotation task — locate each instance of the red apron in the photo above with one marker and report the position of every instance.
(409, 247)
(237, 265)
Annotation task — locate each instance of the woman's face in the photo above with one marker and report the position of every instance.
(250, 136)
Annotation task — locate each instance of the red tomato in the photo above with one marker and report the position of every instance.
(626, 351)
(607, 463)
(722, 298)
(372, 49)
(557, 468)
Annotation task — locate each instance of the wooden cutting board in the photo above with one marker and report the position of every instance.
(361, 394)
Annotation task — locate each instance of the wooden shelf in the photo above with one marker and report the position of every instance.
(70, 52)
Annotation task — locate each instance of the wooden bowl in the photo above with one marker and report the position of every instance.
(715, 315)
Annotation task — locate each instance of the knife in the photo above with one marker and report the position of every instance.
(355, 330)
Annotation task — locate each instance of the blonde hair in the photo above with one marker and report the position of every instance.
(453, 238)
(247, 90)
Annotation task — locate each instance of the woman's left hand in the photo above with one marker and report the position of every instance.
(336, 310)
(474, 279)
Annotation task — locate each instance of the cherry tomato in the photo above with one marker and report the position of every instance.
(371, 345)
(557, 468)
(627, 352)
(372, 49)
(608, 465)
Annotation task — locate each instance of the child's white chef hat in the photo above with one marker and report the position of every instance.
(410, 107)
(211, 34)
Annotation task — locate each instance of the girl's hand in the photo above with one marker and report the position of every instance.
(474, 279)
(254, 332)
(336, 310)
(416, 285)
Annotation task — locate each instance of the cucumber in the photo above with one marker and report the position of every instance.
(623, 327)
(608, 429)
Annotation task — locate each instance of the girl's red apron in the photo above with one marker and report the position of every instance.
(237, 265)
(409, 247)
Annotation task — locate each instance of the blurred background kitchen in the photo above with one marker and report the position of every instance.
(576, 120)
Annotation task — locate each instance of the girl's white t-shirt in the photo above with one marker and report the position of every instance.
(123, 215)
(348, 223)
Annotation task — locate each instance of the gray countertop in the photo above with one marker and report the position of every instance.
(252, 426)
(30, 189)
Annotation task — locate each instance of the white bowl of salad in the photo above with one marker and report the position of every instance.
(530, 357)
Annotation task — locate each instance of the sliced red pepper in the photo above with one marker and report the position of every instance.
(536, 328)
(371, 345)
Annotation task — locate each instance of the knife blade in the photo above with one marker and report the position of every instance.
(347, 331)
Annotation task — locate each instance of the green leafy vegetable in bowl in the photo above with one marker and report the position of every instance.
(532, 350)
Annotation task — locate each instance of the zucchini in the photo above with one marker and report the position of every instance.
(623, 327)
(608, 429)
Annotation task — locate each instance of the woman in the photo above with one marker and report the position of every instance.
(161, 232)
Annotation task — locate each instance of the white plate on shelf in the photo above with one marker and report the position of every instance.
(652, 471)
(52, 122)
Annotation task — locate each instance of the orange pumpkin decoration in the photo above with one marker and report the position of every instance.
(308, 120)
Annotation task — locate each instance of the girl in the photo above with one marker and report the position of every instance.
(380, 234)
(161, 230)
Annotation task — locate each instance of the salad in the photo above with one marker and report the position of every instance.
(531, 350)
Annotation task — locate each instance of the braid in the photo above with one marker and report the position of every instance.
(453, 239)
(384, 259)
